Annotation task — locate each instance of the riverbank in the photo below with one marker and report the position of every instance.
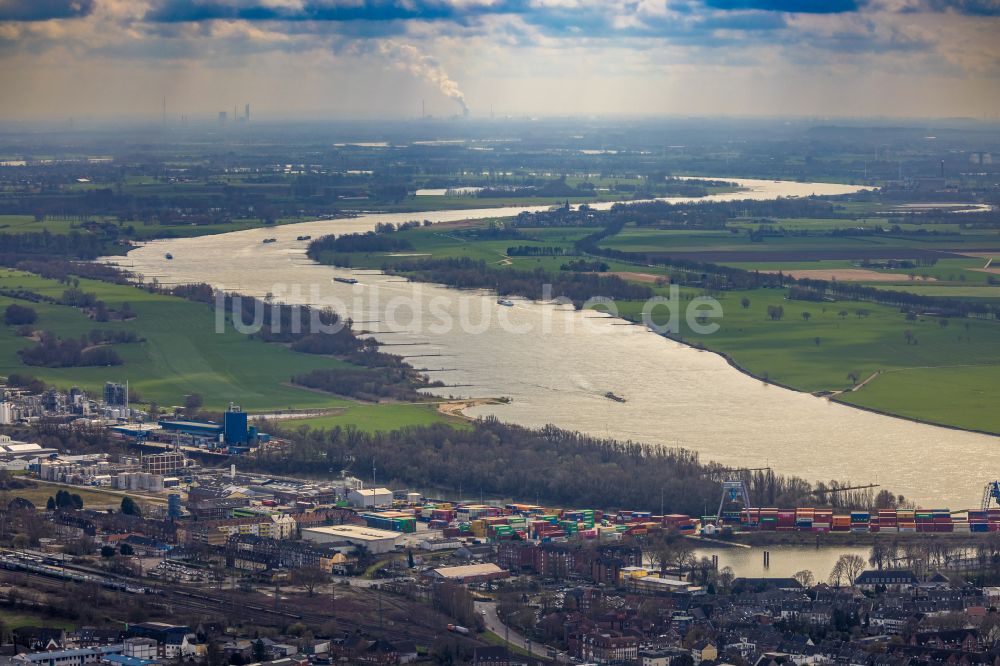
(675, 397)
(833, 396)
(825, 347)
(766, 538)
(456, 408)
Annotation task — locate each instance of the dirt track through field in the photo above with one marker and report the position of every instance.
(638, 277)
(849, 275)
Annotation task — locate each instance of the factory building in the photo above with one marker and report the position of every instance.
(234, 431)
(115, 394)
(375, 541)
(370, 498)
(471, 573)
(163, 463)
(195, 429)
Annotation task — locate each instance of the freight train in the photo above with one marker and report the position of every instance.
(38, 565)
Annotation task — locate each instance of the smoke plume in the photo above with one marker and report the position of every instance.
(409, 58)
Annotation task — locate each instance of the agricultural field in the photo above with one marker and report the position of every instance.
(181, 353)
(962, 395)
(19, 224)
(732, 246)
(449, 241)
(835, 347)
(827, 347)
(372, 418)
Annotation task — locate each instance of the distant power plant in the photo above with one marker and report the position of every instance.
(237, 117)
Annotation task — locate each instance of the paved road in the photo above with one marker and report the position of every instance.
(488, 611)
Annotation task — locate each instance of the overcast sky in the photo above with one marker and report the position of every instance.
(380, 58)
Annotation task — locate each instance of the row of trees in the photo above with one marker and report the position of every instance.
(699, 214)
(55, 352)
(63, 499)
(362, 383)
(366, 242)
(546, 464)
(467, 273)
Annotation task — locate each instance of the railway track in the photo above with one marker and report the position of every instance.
(194, 600)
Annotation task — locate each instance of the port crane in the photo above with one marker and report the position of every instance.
(735, 494)
(841, 489)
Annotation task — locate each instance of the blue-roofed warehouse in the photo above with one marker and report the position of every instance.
(202, 429)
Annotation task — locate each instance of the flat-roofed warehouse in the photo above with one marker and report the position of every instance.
(376, 541)
(470, 573)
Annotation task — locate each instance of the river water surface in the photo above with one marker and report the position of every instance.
(559, 372)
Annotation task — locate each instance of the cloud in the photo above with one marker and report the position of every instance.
(542, 45)
(791, 6)
(328, 10)
(969, 7)
(44, 10)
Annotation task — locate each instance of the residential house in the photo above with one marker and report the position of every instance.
(662, 656)
(39, 638)
(888, 579)
(604, 648)
(704, 650)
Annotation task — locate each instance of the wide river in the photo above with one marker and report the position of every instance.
(556, 364)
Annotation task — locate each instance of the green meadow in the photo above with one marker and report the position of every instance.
(830, 348)
(371, 418)
(21, 224)
(182, 353)
(829, 351)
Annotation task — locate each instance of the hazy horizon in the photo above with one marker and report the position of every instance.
(396, 59)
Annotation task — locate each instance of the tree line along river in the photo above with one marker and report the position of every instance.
(557, 364)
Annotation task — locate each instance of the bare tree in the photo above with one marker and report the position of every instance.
(847, 569)
(309, 578)
(805, 578)
(725, 578)
(883, 554)
(683, 555)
